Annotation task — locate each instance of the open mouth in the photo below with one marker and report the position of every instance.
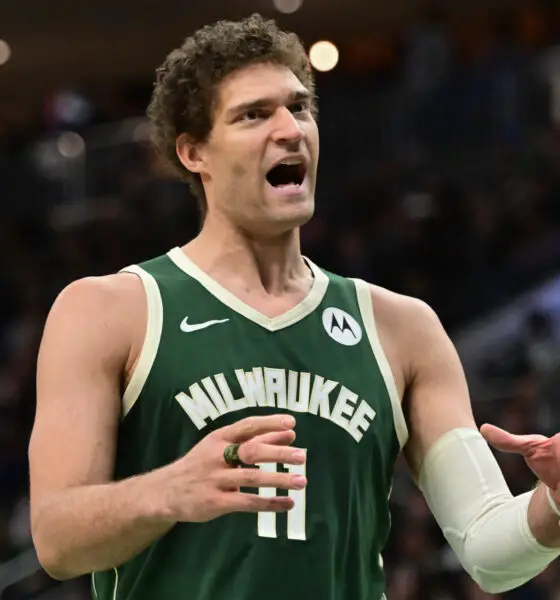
(285, 174)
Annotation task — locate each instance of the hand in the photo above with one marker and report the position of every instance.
(201, 486)
(541, 454)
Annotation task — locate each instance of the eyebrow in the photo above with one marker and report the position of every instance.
(299, 96)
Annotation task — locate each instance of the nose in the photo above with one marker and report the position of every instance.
(287, 129)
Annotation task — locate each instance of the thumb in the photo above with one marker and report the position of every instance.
(508, 442)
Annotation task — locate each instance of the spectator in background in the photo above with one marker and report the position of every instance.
(426, 65)
(539, 346)
(549, 70)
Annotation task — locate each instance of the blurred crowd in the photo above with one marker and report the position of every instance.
(440, 180)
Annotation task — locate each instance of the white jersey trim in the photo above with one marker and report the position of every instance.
(292, 316)
(116, 584)
(363, 291)
(114, 589)
(154, 326)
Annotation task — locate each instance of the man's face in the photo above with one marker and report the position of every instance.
(259, 164)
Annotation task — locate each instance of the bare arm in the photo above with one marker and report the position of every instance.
(437, 397)
(81, 521)
(84, 522)
(438, 401)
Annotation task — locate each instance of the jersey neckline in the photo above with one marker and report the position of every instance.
(290, 317)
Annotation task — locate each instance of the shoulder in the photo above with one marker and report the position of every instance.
(106, 295)
(403, 313)
(409, 328)
(108, 311)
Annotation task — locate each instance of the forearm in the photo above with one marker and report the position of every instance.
(543, 521)
(497, 537)
(94, 528)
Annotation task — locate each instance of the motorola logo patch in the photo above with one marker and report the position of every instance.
(341, 326)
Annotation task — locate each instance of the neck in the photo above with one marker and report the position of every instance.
(272, 264)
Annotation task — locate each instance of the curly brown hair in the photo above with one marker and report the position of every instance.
(185, 90)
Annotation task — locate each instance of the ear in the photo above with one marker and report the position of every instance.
(190, 154)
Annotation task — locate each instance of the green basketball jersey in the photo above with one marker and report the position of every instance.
(209, 360)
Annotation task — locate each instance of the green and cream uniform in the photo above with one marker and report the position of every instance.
(209, 360)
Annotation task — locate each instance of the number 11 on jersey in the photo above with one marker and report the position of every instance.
(296, 516)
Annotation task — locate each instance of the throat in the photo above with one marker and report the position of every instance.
(281, 281)
(253, 269)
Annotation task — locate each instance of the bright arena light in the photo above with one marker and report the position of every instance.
(287, 6)
(70, 145)
(5, 52)
(323, 56)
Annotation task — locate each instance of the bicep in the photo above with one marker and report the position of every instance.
(437, 398)
(78, 394)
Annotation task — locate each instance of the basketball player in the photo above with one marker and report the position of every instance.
(164, 457)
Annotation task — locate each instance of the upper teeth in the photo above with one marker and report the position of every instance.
(291, 161)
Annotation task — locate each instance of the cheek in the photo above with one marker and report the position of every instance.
(238, 170)
(315, 137)
(240, 188)
(244, 174)
(231, 179)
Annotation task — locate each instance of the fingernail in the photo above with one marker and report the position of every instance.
(299, 455)
(289, 421)
(299, 481)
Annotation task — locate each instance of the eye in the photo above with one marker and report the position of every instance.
(299, 107)
(254, 115)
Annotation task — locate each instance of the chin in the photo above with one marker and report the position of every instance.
(286, 218)
(280, 219)
(301, 213)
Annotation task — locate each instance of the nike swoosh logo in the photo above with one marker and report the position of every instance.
(196, 327)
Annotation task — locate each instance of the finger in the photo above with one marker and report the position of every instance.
(279, 438)
(251, 427)
(509, 442)
(253, 453)
(259, 478)
(242, 502)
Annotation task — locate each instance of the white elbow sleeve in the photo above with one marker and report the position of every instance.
(484, 524)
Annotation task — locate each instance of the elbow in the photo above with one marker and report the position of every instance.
(49, 546)
(57, 573)
(491, 585)
(490, 572)
(494, 569)
(52, 563)
(51, 556)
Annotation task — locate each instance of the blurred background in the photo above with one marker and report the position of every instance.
(439, 178)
